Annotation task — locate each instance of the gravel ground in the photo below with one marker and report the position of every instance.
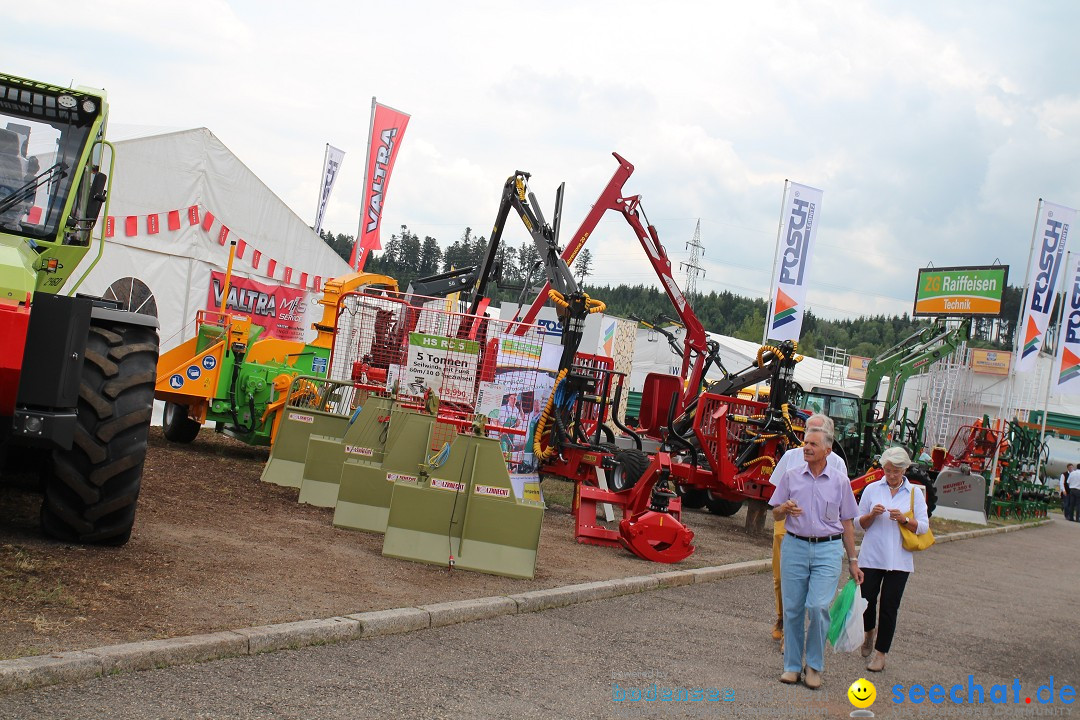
(990, 607)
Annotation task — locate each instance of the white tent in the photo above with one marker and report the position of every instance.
(653, 354)
(177, 200)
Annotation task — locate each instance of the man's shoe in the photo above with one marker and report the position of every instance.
(789, 678)
(877, 664)
(868, 644)
(812, 678)
(778, 629)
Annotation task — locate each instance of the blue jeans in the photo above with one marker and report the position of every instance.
(809, 573)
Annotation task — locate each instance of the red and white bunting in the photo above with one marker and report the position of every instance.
(199, 216)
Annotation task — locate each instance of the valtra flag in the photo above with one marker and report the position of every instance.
(798, 229)
(1051, 234)
(1067, 362)
(387, 130)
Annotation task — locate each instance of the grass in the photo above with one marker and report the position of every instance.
(557, 491)
(24, 578)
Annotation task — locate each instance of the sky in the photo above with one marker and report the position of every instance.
(932, 128)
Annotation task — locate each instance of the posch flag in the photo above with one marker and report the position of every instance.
(1051, 234)
(387, 129)
(797, 230)
(1067, 362)
(331, 166)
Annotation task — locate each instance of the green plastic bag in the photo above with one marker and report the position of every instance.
(839, 610)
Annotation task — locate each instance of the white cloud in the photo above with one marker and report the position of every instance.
(931, 127)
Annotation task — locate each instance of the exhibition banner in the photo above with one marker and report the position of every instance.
(1067, 362)
(331, 166)
(279, 310)
(387, 130)
(1051, 234)
(794, 246)
(990, 362)
(966, 291)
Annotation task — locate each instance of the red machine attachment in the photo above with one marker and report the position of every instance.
(650, 527)
(14, 322)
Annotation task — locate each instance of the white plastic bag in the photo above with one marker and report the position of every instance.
(851, 638)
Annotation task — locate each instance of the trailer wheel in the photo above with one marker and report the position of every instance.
(630, 465)
(692, 498)
(719, 506)
(91, 490)
(177, 426)
(918, 475)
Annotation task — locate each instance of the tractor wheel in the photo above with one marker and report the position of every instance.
(918, 475)
(719, 506)
(630, 465)
(176, 424)
(692, 498)
(91, 490)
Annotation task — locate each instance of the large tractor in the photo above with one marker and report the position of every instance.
(76, 372)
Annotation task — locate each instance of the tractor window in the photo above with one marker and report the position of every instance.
(844, 409)
(39, 163)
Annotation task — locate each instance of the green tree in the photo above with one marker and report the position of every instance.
(583, 265)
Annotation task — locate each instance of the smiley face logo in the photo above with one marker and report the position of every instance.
(862, 693)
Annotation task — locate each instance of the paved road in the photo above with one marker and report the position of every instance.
(998, 608)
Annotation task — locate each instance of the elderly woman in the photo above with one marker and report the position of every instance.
(885, 563)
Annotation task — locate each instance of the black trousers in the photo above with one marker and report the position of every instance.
(890, 585)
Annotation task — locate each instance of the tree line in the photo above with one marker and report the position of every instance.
(405, 257)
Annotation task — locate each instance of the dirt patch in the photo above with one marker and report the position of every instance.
(215, 549)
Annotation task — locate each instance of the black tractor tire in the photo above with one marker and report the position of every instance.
(719, 506)
(918, 475)
(92, 489)
(692, 498)
(630, 465)
(177, 426)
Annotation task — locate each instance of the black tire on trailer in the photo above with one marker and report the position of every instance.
(692, 498)
(630, 465)
(919, 475)
(177, 426)
(92, 489)
(719, 506)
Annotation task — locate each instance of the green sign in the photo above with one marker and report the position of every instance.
(961, 291)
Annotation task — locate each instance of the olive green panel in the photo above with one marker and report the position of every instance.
(482, 524)
(367, 485)
(322, 471)
(285, 466)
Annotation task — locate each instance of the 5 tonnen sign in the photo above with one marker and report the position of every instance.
(967, 291)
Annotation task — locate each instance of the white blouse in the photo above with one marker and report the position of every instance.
(882, 547)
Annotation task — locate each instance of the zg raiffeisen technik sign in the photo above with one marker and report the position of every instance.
(967, 291)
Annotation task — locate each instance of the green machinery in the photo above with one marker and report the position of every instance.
(438, 494)
(1016, 495)
(76, 372)
(230, 375)
(864, 423)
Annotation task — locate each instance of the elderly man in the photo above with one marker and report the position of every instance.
(792, 458)
(817, 505)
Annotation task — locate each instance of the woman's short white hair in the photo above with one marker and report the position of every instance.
(896, 456)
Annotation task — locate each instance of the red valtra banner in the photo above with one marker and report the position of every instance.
(387, 130)
(280, 310)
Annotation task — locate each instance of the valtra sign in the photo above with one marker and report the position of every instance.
(279, 310)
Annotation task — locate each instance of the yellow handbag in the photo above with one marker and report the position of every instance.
(911, 541)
